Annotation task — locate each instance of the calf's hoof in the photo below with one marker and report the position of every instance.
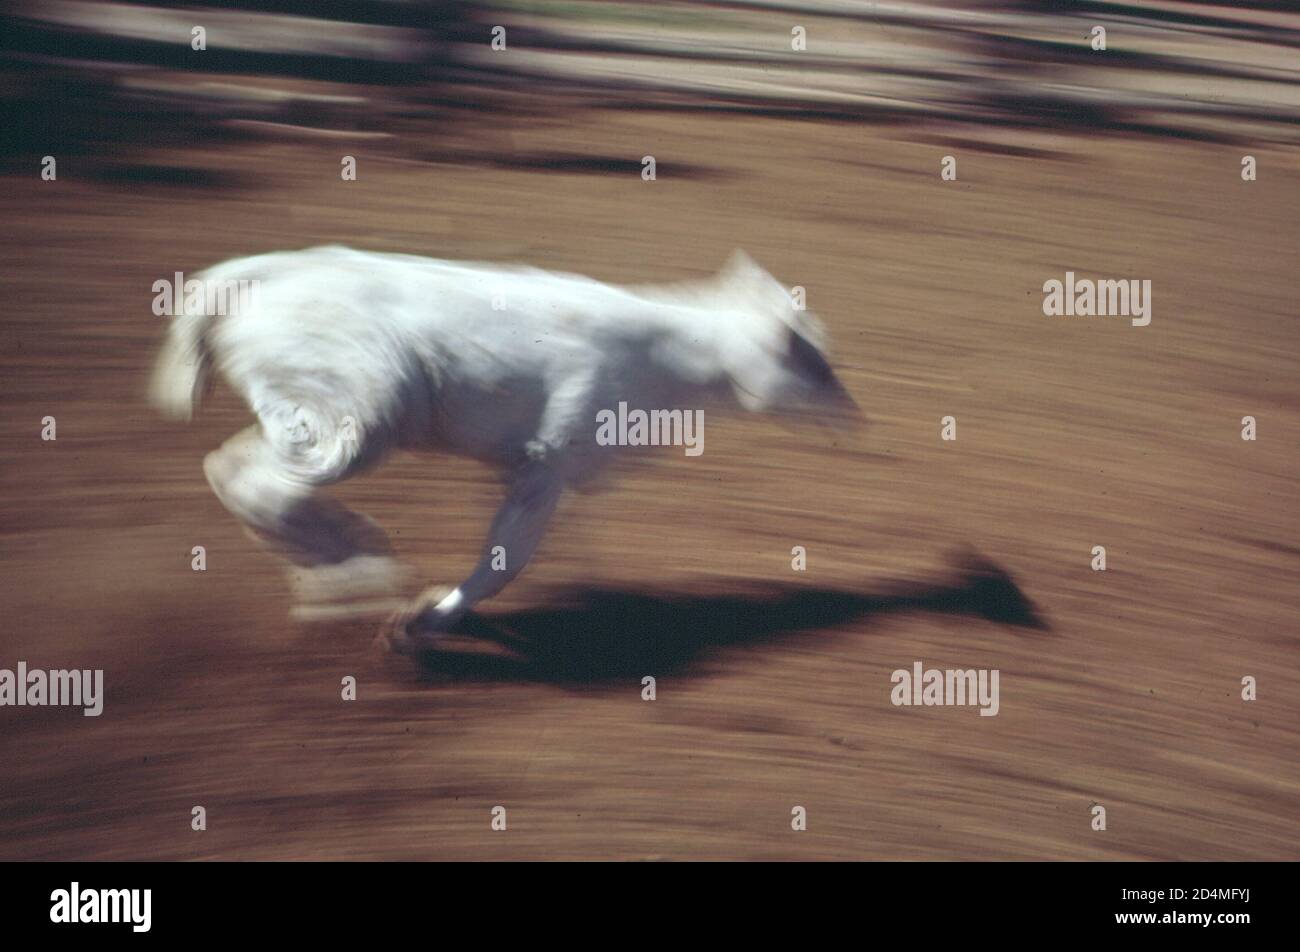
(359, 587)
(421, 624)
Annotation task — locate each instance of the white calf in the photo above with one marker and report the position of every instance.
(343, 355)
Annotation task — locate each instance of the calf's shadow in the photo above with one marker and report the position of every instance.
(592, 637)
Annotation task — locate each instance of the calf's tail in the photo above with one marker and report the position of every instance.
(183, 367)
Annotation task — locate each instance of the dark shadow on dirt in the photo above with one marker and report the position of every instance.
(144, 173)
(602, 635)
(565, 162)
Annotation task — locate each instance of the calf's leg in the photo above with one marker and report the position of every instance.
(339, 557)
(516, 531)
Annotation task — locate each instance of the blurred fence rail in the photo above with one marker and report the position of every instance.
(81, 75)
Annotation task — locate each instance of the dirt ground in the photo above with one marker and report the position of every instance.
(773, 686)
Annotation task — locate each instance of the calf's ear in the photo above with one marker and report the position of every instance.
(740, 271)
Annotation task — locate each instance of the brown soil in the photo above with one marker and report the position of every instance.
(773, 686)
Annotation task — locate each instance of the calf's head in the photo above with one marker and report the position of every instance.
(775, 355)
